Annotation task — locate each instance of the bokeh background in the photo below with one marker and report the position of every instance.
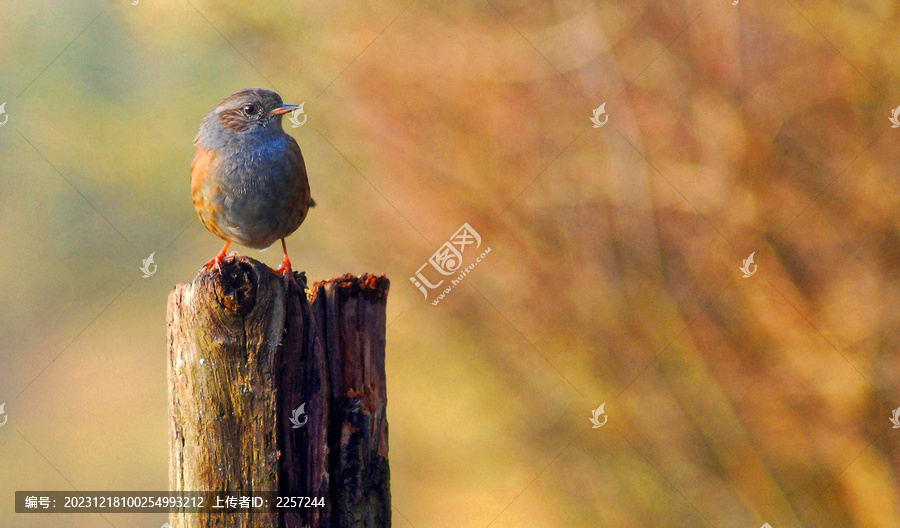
(613, 275)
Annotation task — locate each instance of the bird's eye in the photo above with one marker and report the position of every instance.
(249, 109)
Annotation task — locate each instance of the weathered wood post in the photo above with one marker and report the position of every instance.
(246, 351)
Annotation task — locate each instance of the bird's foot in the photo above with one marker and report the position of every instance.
(217, 260)
(285, 270)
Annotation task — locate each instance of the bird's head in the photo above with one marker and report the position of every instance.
(247, 111)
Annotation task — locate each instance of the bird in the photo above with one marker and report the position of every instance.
(248, 177)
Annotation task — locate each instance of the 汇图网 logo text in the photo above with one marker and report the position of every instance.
(448, 260)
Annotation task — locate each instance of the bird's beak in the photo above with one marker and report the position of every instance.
(283, 109)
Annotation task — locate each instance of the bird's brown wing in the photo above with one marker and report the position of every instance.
(301, 201)
(206, 195)
(294, 150)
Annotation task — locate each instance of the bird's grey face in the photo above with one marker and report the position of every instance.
(251, 110)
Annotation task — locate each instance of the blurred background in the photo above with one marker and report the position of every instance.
(613, 278)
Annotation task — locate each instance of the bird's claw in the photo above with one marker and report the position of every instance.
(285, 266)
(285, 270)
(217, 260)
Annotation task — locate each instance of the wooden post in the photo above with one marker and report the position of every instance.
(246, 350)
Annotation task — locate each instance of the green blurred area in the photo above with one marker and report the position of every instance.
(613, 274)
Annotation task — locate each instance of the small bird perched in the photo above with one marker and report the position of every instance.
(248, 179)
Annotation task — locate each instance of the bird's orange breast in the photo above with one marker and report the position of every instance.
(206, 190)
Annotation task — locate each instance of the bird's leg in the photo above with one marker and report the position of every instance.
(286, 263)
(285, 268)
(217, 260)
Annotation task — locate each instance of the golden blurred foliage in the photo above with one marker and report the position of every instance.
(733, 128)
